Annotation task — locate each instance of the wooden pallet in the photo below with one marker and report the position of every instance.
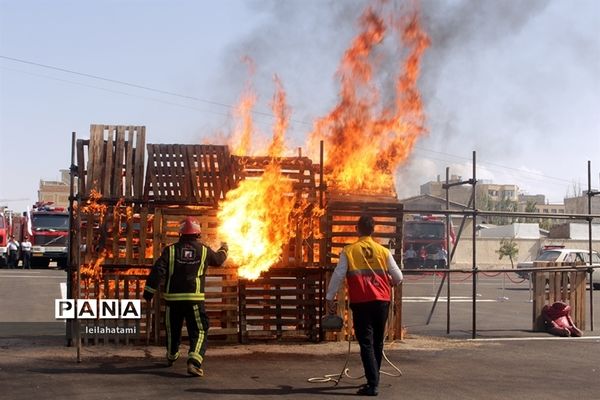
(124, 232)
(552, 286)
(299, 170)
(167, 220)
(303, 247)
(112, 162)
(284, 303)
(118, 285)
(341, 218)
(188, 174)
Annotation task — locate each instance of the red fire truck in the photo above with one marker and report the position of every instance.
(424, 242)
(4, 233)
(48, 230)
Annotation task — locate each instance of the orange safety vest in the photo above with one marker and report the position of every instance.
(367, 275)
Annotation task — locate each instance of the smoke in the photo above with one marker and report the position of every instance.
(466, 36)
(499, 77)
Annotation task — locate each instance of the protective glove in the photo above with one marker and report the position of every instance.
(224, 246)
(147, 295)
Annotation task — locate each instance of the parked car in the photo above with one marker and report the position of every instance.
(564, 255)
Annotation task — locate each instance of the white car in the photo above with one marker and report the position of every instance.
(564, 255)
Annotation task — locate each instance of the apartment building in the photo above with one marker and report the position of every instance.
(56, 192)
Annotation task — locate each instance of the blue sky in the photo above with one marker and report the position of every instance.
(519, 82)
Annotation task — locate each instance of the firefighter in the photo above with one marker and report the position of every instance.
(367, 267)
(183, 265)
(12, 248)
(26, 253)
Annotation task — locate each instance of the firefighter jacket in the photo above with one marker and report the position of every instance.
(183, 268)
(367, 275)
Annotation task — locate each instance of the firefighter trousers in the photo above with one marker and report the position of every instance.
(196, 321)
(369, 326)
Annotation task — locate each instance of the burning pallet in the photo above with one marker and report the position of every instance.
(117, 240)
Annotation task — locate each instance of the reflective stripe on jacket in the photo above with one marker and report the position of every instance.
(367, 274)
(183, 266)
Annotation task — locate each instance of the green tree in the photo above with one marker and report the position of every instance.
(530, 208)
(509, 249)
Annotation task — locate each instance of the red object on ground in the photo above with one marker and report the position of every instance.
(557, 318)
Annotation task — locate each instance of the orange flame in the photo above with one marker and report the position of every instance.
(281, 111)
(366, 140)
(254, 218)
(254, 221)
(241, 139)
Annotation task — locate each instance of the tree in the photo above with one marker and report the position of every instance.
(509, 249)
(530, 207)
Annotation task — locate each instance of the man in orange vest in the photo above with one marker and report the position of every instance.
(183, 266)
(370, 271)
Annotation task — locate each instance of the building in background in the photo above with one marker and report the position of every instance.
(492, 193)
(579, 204)
(56, 192)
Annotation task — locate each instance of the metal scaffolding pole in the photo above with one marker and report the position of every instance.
(590, 193)
(474, 196)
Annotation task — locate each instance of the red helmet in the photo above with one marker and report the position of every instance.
(189, 226)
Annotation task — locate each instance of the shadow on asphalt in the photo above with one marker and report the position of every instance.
(281, 390)
(157, 369)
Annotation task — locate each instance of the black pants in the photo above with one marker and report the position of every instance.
(13, 260)
(369, 327)
(26, 260)
(196, 321)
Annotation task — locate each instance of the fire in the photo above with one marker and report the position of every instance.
(254, 221)
(241, 139)
(254, 218)
(281, 111)
(92, 205)
(366, 139)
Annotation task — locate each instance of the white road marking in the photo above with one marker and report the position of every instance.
(457, 299)
(63, 290)
(534, 338)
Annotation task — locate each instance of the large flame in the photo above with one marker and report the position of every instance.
(366, 139)
(254, 221)
(254, 218)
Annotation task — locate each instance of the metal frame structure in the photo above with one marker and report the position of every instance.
(471, 210)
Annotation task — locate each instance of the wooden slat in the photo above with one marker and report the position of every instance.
(81, 168)
(129, 243)
(157, 239)
(98, 140)
(117, 187)
(109, 151)
(152, 171)
(195, 178)
(129, 169)
(143, 233)
(140, 146)
(90, 160)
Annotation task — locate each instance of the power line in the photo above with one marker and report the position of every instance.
(115, 91)
(137, 86)
(520, 171)
(215, 103)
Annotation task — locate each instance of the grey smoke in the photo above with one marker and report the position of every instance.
(500, 76)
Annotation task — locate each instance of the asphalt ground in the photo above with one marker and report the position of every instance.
(506, 360)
